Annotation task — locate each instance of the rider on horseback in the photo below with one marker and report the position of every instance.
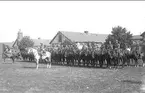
(42, 50)
(7, 51)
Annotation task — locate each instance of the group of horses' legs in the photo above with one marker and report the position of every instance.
(47, 61)
(13, 59)
(85, 61)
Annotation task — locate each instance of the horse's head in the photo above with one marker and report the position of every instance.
(29, 50)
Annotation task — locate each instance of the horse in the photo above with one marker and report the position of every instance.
(44, 56)
(12, 54)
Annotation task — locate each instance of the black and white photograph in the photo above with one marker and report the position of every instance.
(72, 46)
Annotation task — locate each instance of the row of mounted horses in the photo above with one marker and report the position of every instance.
(72, 56)
(97, 58)
(91, 57)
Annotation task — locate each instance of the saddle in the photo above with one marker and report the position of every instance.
(43, 53)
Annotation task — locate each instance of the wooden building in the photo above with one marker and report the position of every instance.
(65, 37)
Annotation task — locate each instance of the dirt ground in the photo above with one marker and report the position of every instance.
(22, 77)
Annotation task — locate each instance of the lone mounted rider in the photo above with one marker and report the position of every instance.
(7, 50)
(42, 50)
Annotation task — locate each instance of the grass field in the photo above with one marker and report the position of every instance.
(22, 77)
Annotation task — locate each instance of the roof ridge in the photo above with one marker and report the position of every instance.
(84, 37)
(69, 31)
(82, 33)
(7, 42)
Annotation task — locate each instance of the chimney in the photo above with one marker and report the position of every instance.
(19, 35)
(86, 32)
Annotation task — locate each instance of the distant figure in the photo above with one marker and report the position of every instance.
(110, 46)
(41, 46)
(79, 46)
(117, 45)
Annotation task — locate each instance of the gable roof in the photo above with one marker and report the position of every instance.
(84, 37)
(10, 44)
(37, 42)
(142, 34)
(136, 37)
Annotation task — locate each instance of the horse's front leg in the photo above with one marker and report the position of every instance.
(37, 63)
(48, 62)
(136, 62)
(4, 59)
(13, 59)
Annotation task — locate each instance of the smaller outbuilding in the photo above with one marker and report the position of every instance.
(37, 42)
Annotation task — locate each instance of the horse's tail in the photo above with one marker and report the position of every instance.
(50, 59)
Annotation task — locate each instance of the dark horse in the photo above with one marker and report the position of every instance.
(12, 54)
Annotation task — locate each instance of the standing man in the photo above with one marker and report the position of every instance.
(41, 46)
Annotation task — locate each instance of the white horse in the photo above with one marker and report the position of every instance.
(46, 57)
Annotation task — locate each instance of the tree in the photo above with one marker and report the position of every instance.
(26, 42)
(122, 35)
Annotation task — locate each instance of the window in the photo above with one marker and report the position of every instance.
(60, 38)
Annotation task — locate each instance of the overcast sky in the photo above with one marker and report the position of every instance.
(45, 18)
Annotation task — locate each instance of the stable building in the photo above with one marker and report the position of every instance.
(67, 38)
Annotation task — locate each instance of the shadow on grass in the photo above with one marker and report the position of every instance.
(7, 63)
(27, 61)
(29, 67)
(76, 66)
(35, 67)
(132, 82)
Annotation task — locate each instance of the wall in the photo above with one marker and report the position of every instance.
(1, 51)
(59, 38)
